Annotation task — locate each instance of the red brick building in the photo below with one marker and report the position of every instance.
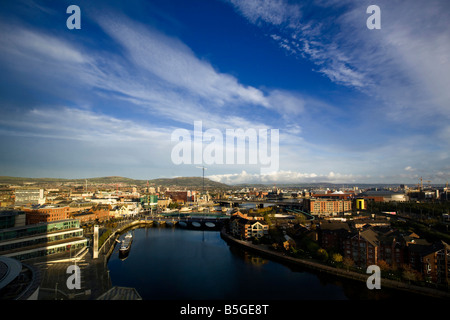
(362, 248)
(327, 207)
(431, 260)
(178, 196)
(46, 213)
(333, 234)
(100, 213)
(248, 226)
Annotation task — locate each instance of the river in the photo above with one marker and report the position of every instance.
(179, 264)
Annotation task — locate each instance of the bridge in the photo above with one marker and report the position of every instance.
(259, 203)
(190, 222)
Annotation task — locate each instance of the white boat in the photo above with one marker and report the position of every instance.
(126, 243)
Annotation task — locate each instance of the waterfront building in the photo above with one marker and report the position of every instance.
(431, 260)
(332, 234)
(327, 207)
(249, 216)
(126, 209)
(362, 248)
(248, 228)
(41, 239)
(12, 218)
(46, 213)
(373, 244)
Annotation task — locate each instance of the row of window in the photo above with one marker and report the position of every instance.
(40, 240)
(35, 229)
(41, 252)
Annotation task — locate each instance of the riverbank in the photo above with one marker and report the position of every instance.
(318, 267)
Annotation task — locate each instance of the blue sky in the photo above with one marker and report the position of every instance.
(351, 104)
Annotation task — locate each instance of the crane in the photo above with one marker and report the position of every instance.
(420, 185)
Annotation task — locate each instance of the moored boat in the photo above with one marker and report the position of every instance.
(126, 243)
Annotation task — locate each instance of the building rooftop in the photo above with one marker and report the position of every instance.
(18, 281)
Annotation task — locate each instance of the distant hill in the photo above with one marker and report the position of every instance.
(188, 182)
(195, 182)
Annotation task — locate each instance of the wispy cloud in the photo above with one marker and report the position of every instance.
(404, 65)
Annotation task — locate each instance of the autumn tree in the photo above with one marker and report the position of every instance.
(337, 258)
(348, 262)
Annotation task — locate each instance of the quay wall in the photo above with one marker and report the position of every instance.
(108, 246)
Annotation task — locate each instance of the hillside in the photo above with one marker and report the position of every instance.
(195, 182)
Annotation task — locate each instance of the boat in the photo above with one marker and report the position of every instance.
(126, 243)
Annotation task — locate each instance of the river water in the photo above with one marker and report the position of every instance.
(179, 264)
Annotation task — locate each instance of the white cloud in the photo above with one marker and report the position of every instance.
(173, 62)
(275, 12)
(285, 177)
(82, 125)
(37, 46)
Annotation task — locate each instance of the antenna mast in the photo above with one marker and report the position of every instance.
(203, 187)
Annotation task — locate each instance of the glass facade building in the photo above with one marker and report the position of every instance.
(41, 239)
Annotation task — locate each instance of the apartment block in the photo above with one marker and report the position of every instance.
(328, 207)
(248, 226)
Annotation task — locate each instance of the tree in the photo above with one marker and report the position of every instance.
(337, 258)
(322, 254)
(410, 274)
(384, 266)
(348, 262)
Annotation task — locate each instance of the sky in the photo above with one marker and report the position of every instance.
(350, 104)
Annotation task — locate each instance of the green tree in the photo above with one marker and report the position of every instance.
(322, 254)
